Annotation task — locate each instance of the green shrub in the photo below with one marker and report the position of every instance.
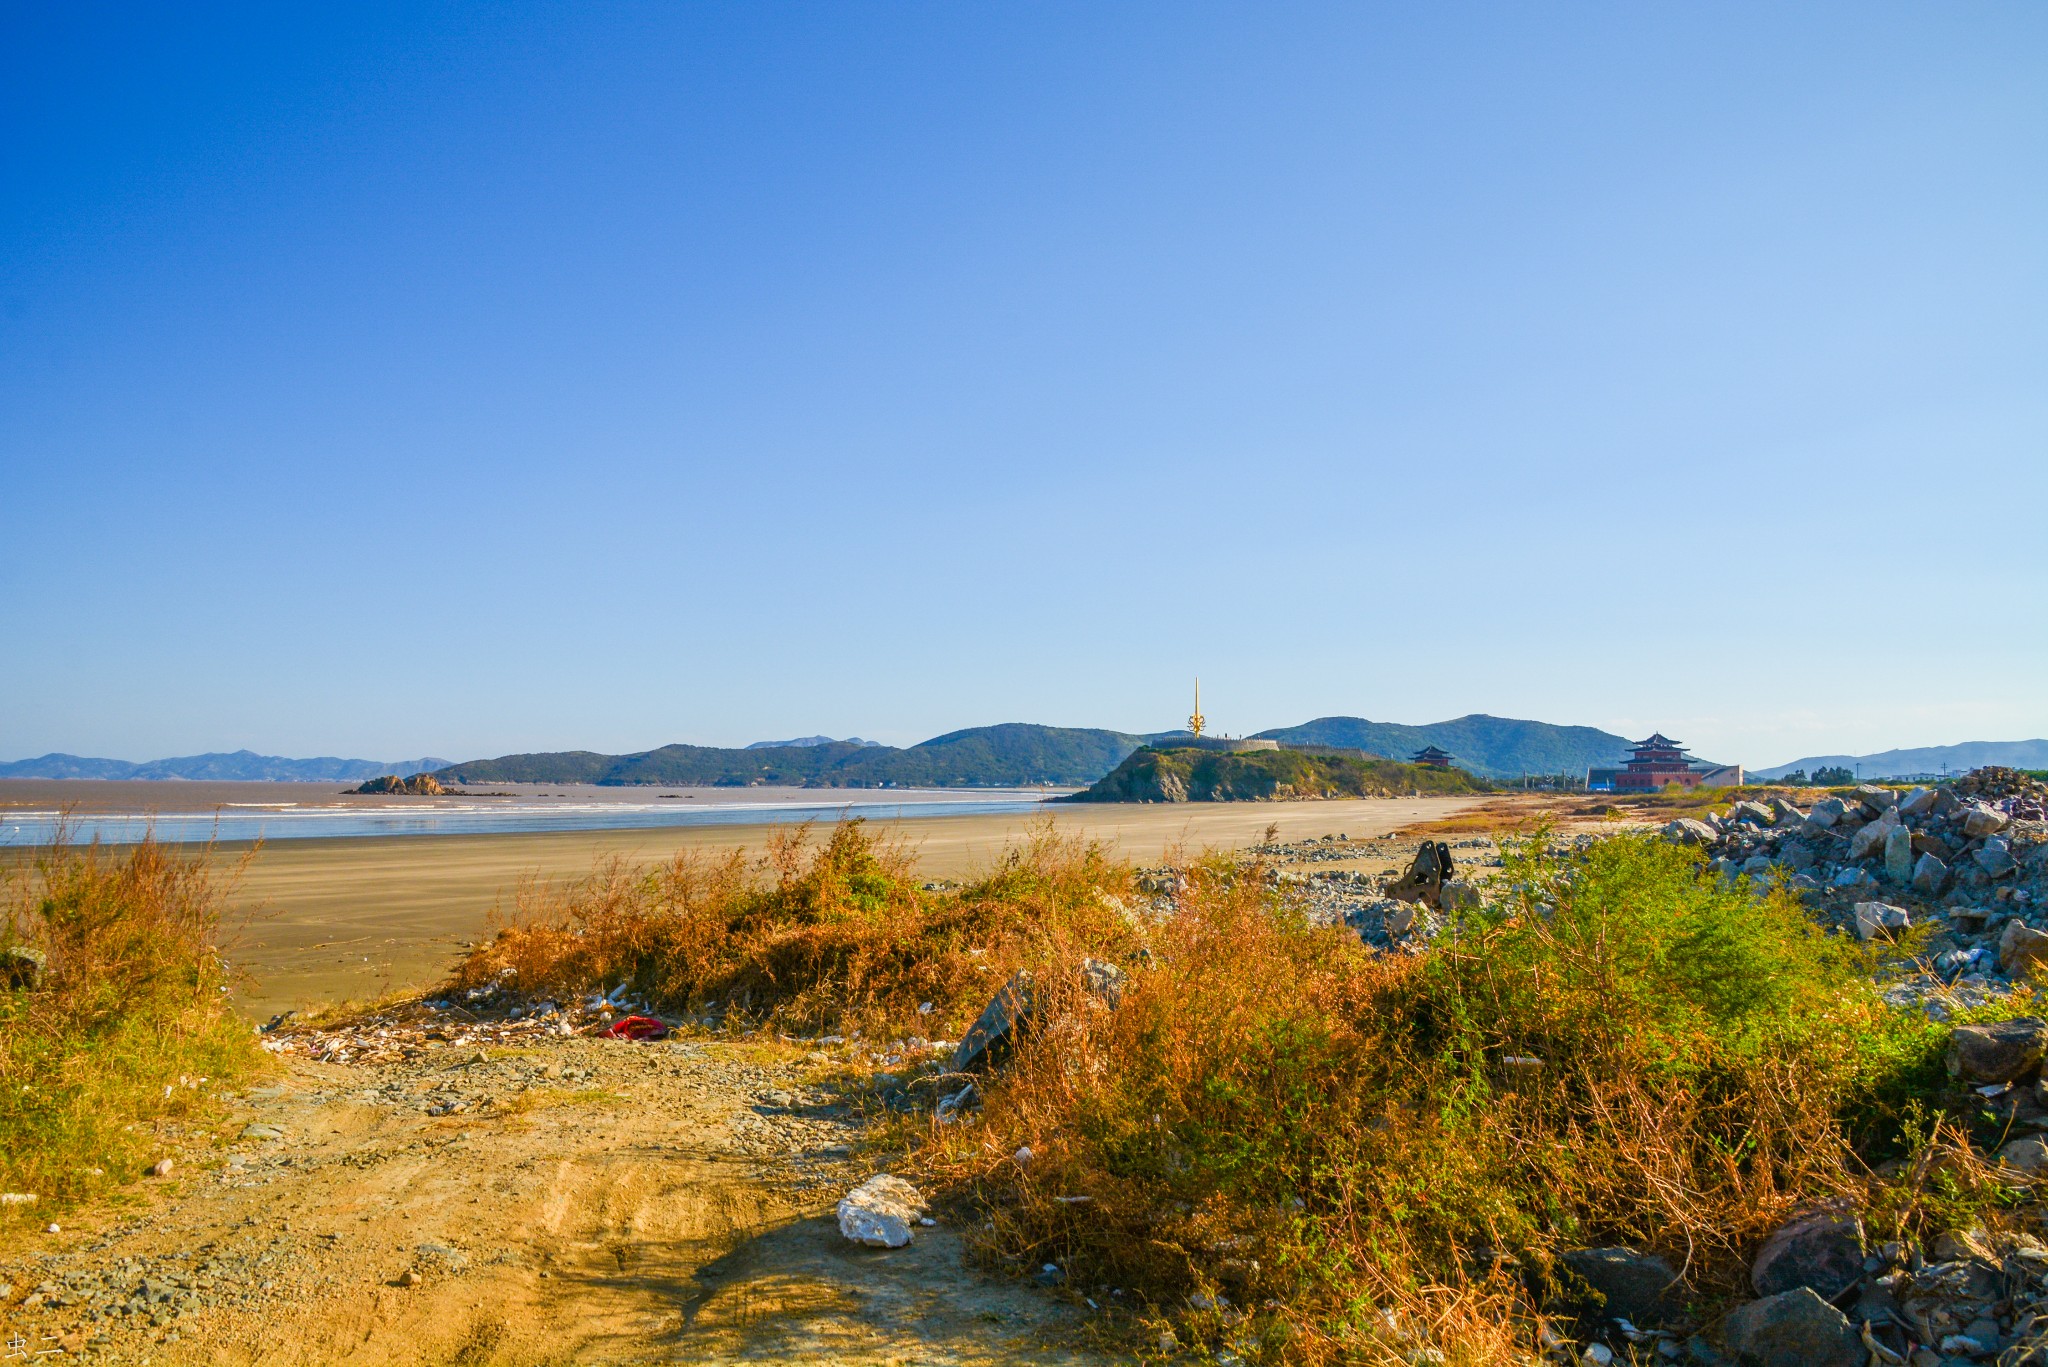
(128, 1022)
(1622, 1049)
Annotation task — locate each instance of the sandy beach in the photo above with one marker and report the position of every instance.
(332, 920)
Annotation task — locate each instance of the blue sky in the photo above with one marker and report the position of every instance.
(462, 380)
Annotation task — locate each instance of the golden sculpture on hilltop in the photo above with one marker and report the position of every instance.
(1197, 721)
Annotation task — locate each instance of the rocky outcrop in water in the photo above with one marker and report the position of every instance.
(419, 785)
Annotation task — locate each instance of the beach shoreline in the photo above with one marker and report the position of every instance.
(323, 921)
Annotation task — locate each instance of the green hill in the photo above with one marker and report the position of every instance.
(1009, 755)
(1496, 747)
(1018, 753)
(1265, 775)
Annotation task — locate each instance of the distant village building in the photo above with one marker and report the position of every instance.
(1657, 762)
(1432, 757)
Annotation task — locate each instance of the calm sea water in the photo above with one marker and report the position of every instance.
(314, 821)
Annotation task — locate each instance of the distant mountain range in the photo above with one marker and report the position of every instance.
(807, 740)
(1019, 753)
(242, 766)
(1494, 747)
(1009, 755)
(1013, 754)
(1931, 759)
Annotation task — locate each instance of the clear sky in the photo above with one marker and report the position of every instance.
(467, 379)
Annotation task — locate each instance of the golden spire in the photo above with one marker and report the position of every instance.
(1197, 721)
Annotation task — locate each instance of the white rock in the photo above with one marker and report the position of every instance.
(881, 1212)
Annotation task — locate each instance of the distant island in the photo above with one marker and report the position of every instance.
(1020, 754)
(1208, 775)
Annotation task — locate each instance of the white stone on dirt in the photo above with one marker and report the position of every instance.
(881, 1212)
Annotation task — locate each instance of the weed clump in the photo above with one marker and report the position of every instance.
(1387, 1152)
(815, 935)
(124, 1018)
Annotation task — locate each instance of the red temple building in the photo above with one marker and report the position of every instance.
(1432, 757)
(1655, 762)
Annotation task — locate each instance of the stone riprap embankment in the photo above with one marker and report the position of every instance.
(1967, 859)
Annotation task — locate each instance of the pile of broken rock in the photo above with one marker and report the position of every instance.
(1969, 857)
(1954, 842)
(1827, 1298)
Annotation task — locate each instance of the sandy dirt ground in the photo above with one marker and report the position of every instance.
(453, 1196)
(583, 1202)
(342, 919)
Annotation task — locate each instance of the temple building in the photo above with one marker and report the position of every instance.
(1433, 757)
(1657, 762)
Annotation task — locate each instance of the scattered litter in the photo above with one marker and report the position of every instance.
(636, 1029)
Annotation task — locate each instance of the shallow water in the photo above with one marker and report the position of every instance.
(581, 811)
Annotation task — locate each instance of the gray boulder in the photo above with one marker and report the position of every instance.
(1997, 1053)
(2029, 1156)
(1876, 799)
(1995, 857)
(1785, 813)
(2020, 948)
(1753, 812)
(1880, 921)
(1898, 854)
(1792, 1329)
(1459, 895)
(994, 1033)
(1686, 831)
(1822, 1252)
(1870, 839)
(1638, 1287)
(22, 966)
(1980, 820)
(1104, 981)
(1826, 813)
(1011, 1011)
(1929, 876)
(1919, 802)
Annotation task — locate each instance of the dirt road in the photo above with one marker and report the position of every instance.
(564, 1201)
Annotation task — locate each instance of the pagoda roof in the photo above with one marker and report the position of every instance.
(1430, 752)
(1657, 741)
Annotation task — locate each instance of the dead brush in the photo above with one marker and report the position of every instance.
(128, 1014)
(1285, 1143)
(836, 934)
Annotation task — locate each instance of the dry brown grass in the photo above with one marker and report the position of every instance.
(813, 935)
(1329, 1138)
